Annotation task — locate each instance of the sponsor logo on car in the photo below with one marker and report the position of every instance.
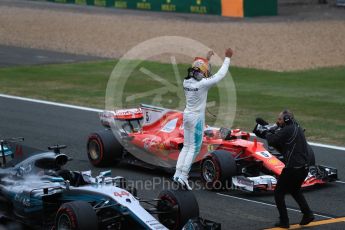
(121, 194)
(210, 148)
(264, 154)
(148, 142)
(274, 161)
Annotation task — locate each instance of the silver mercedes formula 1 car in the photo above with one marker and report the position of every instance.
(36, 192)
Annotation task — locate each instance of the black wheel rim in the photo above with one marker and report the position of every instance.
(209, 171)
(64, 222)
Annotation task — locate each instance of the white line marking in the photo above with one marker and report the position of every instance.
(51, 103)
(339, 181)
(100, 110)
(267, 204)
(327, 146)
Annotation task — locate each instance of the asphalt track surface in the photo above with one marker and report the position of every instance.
(44, 125)
(14, 56)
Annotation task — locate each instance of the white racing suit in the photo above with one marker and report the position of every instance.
(194, 118)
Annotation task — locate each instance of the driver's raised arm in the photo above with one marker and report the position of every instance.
(209, 82)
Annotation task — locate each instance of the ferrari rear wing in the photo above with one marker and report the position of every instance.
(108, 117)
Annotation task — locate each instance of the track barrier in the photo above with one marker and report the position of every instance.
(229, 8)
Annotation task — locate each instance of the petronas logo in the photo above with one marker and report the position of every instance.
(198, 2)
(168, 1)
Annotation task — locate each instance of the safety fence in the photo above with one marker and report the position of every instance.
(231, 8)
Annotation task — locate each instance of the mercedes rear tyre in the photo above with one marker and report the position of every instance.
(176, 208)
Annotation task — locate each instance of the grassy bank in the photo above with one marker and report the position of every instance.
(317, 97)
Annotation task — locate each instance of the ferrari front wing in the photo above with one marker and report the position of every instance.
(251, 184)
(318, 174)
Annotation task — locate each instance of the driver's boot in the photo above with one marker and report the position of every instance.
(177, 175)
(183, 180)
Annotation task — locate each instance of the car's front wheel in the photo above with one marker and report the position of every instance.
(76, 215)
(176, 207)
(217, 170)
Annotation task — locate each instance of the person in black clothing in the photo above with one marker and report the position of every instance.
(288, 138)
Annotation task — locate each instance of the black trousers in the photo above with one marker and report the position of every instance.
(290, 181)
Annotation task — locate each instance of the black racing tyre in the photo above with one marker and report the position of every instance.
(5, 205)
(103, 149)
(218, 169)
(178, 207)
(76, 215)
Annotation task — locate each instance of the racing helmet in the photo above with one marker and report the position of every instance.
(203, 66)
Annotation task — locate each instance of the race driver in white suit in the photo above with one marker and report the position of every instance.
(196, 86)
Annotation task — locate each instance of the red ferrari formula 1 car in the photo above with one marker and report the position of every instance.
(152, 137)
